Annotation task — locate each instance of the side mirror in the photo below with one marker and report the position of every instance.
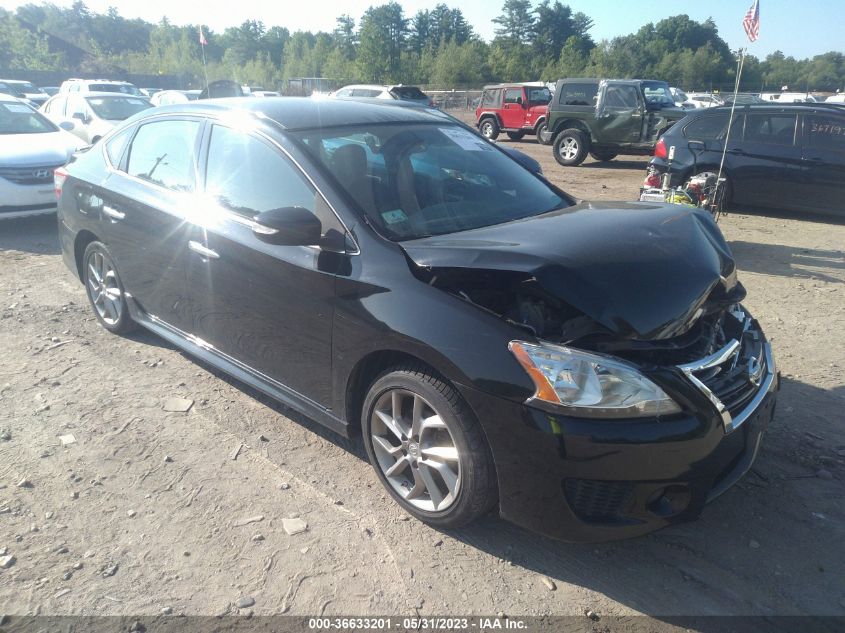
(79, 116)
(288, 226)
(696, 146)
(67, 126)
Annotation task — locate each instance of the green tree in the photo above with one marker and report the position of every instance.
(381, 42)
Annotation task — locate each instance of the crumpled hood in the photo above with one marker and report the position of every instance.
(641, 270)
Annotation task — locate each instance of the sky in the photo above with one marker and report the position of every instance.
(813, 29)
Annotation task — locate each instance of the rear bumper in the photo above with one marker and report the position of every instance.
(25, 211)
(583, 480)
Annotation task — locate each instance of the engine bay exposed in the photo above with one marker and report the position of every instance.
(521, 300)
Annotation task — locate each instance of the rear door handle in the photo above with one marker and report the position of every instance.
(738, 152)
(112, 213)
(202, 250)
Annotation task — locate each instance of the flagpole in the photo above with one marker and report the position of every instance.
(204, 68)
(739, 67)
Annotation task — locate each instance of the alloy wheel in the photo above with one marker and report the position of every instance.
(569, 148)
(104, 289)
(415, 450)
(487, 129)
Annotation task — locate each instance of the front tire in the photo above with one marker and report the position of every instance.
(427, 448)
(489, 128)
(516, 136)
(571, 147)
(105, 290)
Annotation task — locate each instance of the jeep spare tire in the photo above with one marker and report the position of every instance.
(571, 147)
(489, 128)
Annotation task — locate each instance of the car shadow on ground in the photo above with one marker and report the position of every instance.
(804, 216)
(789, 261)
(615, 164)
(754, 551)
(37, 235)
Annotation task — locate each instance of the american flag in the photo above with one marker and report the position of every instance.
(751, 22)
(204, 42)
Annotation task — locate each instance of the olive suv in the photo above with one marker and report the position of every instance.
(608, 117)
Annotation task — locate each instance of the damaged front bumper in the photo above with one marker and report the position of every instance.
(587, 480)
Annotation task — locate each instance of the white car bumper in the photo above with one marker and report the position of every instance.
(23, 200)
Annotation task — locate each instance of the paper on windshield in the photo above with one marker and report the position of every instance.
(17, 107)
(465, 139)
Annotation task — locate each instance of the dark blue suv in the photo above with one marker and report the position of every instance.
(783, 156)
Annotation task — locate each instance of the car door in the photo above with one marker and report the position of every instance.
(823, 162)
(513, 108)
(268, 307)
(146, 204)
(620, 115)
(766, 167)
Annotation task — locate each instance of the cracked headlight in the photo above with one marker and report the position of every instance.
(589, 385)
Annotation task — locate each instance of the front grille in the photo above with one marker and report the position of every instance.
(732, 376)
(598, 501)
(35, 175)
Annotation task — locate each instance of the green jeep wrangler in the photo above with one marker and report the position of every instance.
(608, 117)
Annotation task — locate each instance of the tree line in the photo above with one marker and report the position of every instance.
(434, 47)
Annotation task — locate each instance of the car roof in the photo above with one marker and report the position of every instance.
(516, 84)
(302, 113)
(10, 99)
(373, 86)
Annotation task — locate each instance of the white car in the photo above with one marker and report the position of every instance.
(265, 93)
(840, 98)
(31, 148)
(100, 85)
(29, 90)
(90, 115)
(169, 97)
(704, 100)
(371, 91)
(788, 97)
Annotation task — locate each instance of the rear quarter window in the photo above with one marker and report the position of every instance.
(826, 132)
(491, 98)
(578, 94)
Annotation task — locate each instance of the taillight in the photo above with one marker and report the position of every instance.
(660, 149)
(59, 177)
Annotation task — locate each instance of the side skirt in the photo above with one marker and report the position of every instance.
(245, 374)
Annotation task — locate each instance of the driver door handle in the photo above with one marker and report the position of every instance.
(112, 213)
(202, 250)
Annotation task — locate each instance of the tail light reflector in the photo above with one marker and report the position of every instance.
(59, 177)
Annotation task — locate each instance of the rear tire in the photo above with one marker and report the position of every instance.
(544, 136)
(571, 147)
(603, 156)
(427, 448)
(489, 128)
(105, 290)
(516, 136)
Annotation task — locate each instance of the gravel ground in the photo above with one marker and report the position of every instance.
(110, 504)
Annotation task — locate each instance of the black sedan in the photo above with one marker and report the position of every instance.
(585, 369)
(780, 156)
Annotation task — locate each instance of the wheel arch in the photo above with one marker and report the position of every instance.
(365, 372)
(577, 124)
(80, 243)
(490, 115)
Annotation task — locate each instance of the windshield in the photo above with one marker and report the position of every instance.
(407, 92)
(414, 181)
(117, 108)
(19, 118)
(10, 90)
(128, 89)
(539, 96)
(657, 93)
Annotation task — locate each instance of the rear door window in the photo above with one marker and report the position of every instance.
(162, 152)
(770, 129)
(825, 132)
(578, 94)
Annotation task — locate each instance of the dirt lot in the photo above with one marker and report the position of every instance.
(149, 510)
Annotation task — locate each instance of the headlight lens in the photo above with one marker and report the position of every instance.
(589, 385)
